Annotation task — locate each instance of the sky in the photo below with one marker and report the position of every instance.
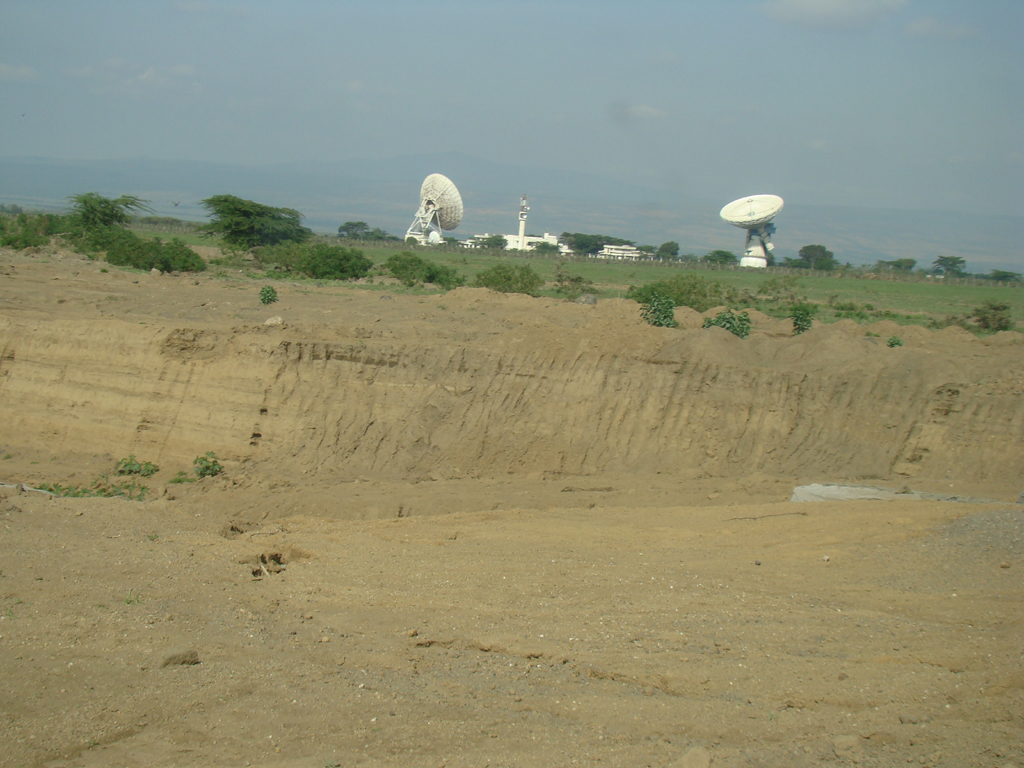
(915, 104)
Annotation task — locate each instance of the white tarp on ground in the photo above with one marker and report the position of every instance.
(830, 492)
(819, 492)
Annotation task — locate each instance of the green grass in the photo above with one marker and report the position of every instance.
(905, 302)
(189, 238)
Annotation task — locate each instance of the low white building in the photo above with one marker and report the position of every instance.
(620, 253)
(512, 242)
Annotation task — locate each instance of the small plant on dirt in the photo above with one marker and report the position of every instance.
(182, 477)
(102, 486)
(569, 285)
(132, 598)
(736, 323)
(659, 311)
(802, 316)
(993, 316)
(268, 295)
(131, 466)
(894, 341)
(207, 465)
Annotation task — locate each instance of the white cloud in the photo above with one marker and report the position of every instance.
(832, 14)
(17, 73)
(626, 114)
(929, 26)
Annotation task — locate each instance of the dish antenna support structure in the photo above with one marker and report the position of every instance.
(523, 210)
(440, 210)
(754, 214)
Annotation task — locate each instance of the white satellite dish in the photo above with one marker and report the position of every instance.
(754, 214)
(440, 209)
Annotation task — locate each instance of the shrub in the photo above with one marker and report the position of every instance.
(407, 267)
(446, 277)
(268, 295)
(659, 312)
(333, 262)
(993, 316)
(802, 316)
(206, 465)
(131, 466)
(101, 486)
(508, 279)
(26, 231)
(737, 324)
(894, 341)
(569, 285)
(788, 289)
(126, 249)
(685, 290)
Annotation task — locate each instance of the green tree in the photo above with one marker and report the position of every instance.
(92, 211)
(720, 257)
(545, 249)
(354, 230)
(1002, 276)
(905, 266)
(360, 230)
(814, 257)
(492, 241)
(669, 250)
(950, 265)
(584, 244)
(509, 279)
(245, 224)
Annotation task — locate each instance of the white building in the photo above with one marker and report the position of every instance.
(512, 242)
(620, 253)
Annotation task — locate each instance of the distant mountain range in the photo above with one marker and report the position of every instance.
(385, 193)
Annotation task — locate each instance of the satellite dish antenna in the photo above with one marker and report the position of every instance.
(754, 214)
(440, 209)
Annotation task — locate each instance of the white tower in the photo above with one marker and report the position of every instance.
(523, 208)
(754, 214)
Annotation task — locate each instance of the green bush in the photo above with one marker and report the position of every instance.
(126, 249)
(993, 316)
(509, 279)
(569, 285)
(894, 341)
(737, 324)
(131, 466)
(333, 262)
(685, 290)
(659, 312)
(206, 465)
(268, 295)
(25, 231)
(802, 316)
(407, 267)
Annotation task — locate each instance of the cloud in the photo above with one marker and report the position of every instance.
(626, 114)
(929, 26)
(17, 73)
(831, 14)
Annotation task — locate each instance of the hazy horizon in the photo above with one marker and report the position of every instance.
(841, 104)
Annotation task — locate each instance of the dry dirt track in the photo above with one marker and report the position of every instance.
(514, 532)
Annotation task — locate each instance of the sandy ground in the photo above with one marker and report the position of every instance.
(472, 529)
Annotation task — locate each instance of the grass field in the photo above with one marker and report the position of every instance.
(855, 297)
